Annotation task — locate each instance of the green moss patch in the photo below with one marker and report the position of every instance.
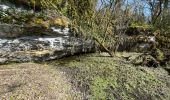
(102, 78)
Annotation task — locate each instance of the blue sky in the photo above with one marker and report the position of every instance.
(146, 10)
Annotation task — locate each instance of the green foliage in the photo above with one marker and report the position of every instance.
(140, 25)
(11, 98)
(81, 9)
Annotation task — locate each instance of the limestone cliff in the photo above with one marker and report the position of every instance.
(35, 36)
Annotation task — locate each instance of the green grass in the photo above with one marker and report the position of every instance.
(103, 78)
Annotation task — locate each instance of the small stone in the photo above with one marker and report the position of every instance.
(3, 60)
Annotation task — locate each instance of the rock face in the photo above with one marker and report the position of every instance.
(28, 36)
(13, 31)
(24, 3)
(16, 46)
(7, 30)
(138, 43)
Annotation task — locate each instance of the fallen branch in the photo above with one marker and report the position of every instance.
(105, 48)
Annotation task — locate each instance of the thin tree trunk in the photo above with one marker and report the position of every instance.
(105, 48)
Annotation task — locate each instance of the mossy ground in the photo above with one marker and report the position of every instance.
(96, 76)
(105, 78)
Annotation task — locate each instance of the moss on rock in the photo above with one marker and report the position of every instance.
(35, 4)
(57, 22)
(60, 21)
(44, 19)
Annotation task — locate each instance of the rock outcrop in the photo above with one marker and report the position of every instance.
(13, 31)
(41, 48)
(36, 38)
(15, 46)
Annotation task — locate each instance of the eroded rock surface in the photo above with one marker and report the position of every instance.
(14, 31)
(42, 48)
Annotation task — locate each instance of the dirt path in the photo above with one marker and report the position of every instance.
(30, 81)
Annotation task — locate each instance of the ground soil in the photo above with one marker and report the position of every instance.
(31, 81)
